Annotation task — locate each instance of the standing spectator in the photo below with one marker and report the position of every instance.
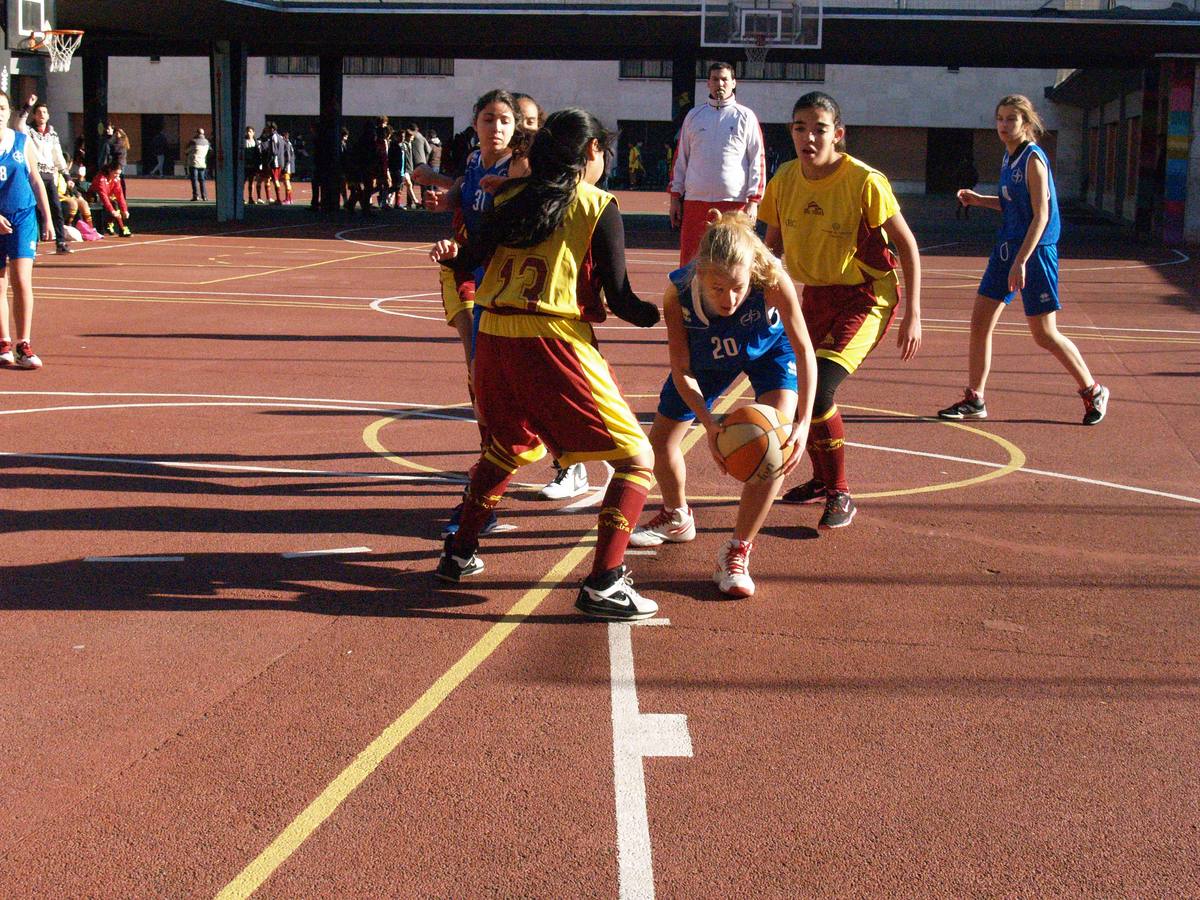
(435, 151)
(636, 167)
(106, 146)
(399, 165)
(252, 168)
(158, 149)
(289, 166)
(120, 154)
(50, 161)
(197, 164)
(720, 162)
(420, 149)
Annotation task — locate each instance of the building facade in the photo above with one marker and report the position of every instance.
(916, 124)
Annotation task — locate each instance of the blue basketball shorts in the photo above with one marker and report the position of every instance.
(1040, 295)
(22, 243)
(775, 370)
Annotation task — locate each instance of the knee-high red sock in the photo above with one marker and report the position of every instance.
(826, 440)
(622, 507)
(488, 483)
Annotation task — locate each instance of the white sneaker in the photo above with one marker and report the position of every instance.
(733, 569)
(569, 482)
(25, 356)
(6, 354)
(675, 525)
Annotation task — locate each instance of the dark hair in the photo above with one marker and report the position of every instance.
(499, 95)
(721, 64)
(541, 113)
(41, 104)
(821, 100)
(557, 159)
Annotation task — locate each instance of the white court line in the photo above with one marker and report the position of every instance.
(274, 404)
(133, 559)
(1026, 469)
(192, 237)
(436, 477)
(389, 405)
(305, 554)
(1081, 327)
(636, 735)
(354, 406)
(938, 246)
(43, 286)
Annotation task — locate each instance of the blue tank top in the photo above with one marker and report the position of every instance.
(725, 343)
(16, 196)
(475, 200)
(1015, 204)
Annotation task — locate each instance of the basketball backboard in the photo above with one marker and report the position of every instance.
(792, 24)
(23, 18)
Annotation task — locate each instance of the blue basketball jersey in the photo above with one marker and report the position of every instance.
(1015, 204)
(16, 195)
(726, 343)
(475, 200)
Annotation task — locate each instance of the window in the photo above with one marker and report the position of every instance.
(771, 70)
(293, 65)
(647, 68)
(362, 65)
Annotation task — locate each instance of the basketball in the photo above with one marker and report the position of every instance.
(751, 442)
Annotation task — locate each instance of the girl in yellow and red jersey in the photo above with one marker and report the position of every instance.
(834, 219)
(557, 252)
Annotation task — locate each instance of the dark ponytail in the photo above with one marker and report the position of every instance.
(557, 159)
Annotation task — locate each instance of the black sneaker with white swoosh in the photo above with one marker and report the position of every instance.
(611, 596)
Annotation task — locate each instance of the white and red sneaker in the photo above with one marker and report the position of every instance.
(26, 358)
(674, 525)
(733, 569)
(6, 354)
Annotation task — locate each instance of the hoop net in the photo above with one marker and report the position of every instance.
(757, 49)
(61, 44)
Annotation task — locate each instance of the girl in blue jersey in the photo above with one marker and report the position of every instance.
(1024, 259)
(22, 193)
(731, 311)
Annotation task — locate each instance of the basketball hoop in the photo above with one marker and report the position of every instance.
(60, 43)
(757, 48)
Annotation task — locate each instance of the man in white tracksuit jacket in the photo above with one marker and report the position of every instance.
(719, 162)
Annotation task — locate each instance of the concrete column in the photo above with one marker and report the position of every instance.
(95, 106)
(328, 177)
(227, 70)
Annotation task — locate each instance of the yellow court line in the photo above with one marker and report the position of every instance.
(327, 802)
(1016, 461)
(324, 262)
